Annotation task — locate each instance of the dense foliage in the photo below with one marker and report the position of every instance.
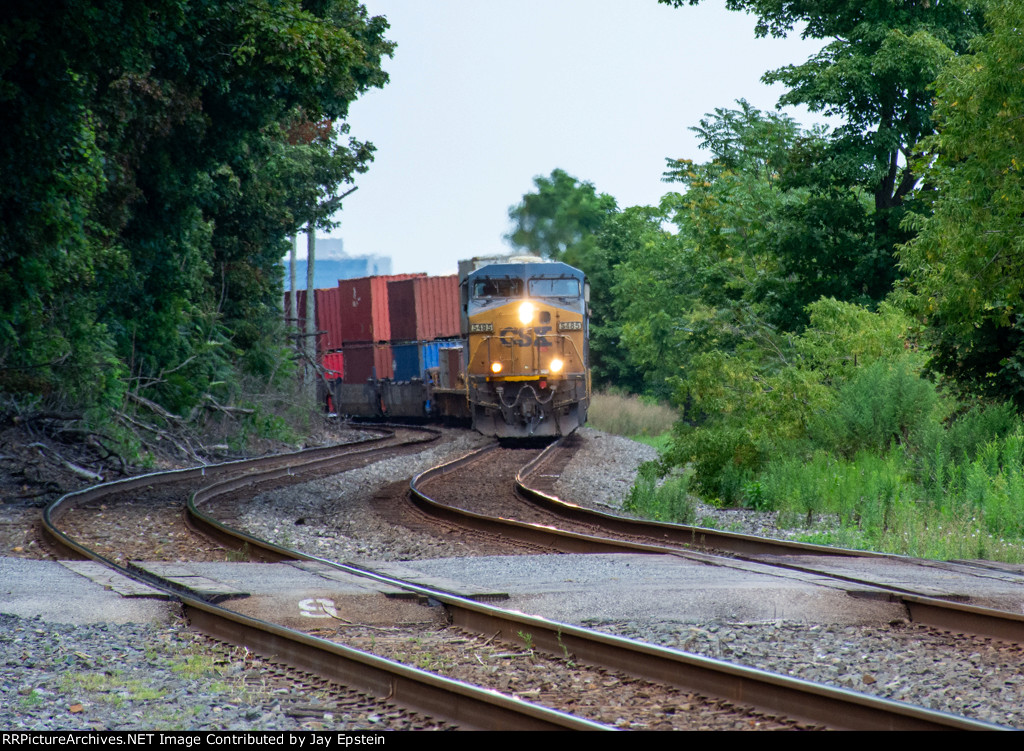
(156, 155)
(836, 313)
(967, 262)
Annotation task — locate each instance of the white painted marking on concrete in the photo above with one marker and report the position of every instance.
(319, 607)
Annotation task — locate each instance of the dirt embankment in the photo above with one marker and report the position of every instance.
(45, 455)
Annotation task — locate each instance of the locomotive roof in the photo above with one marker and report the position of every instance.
(524, 270)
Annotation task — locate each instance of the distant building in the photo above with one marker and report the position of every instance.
(332, 264)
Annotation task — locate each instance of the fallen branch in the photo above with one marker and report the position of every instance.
(162, 435)
(213, 405)
(153, 407)
(74, 468)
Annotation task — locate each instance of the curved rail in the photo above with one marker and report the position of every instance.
(795, 698)
(931, 611)
(472, 707)
(698, 544)
(53, 512)
(443, 698)
(260, 549)
(773, 693)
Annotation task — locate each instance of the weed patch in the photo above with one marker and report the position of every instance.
(668, 501)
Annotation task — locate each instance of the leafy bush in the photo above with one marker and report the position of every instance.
(883, 404)
(723, 459)
(667, 502)
(979, 426)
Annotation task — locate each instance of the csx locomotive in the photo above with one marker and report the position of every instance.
(520, 368)
(526, 327)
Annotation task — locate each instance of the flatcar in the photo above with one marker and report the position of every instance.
(519, 367)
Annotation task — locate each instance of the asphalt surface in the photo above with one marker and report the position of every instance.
(569, 588)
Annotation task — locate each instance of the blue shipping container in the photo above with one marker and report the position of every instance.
(413, 360)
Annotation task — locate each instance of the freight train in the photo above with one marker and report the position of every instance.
(503, 345)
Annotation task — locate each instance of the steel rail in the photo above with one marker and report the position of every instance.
(55, 510)
(697, 538)
(442, 698)
(931, 611)
(769, 692)
(467, 706)
(562, 541)
(257, 548)
(777, 694)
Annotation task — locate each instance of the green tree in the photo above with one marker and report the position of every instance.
(709, 285)
(560, 219)
(967, 263)
(634, 233)
(152, 183)
(874, 73)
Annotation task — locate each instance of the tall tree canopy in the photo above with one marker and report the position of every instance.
(715, 281)
(561, 218)
(152, 173)
(874, 73)
(967, 263)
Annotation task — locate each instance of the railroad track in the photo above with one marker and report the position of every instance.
(451, 701)
(464, 704)
(569, 528)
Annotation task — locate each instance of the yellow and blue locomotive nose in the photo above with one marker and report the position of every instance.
(527, 349)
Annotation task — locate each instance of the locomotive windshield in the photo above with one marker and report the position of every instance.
(562, 287)
(498, 287)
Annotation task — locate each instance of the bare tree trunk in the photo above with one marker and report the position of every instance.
(310, 339)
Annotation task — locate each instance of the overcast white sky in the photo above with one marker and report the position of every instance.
(484, 96)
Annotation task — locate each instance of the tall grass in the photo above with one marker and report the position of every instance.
(629, 415)
(966, 508)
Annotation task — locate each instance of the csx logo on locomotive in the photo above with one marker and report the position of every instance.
(513, 337)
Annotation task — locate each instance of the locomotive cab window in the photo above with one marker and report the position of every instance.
(564, 287)
(506, 287)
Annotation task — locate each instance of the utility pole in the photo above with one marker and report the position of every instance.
(293, 303)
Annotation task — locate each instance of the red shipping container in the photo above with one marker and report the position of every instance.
(424, 308)
(328, 316)
(364, 308)
(366, 361)
(328, 319)
(334, 365)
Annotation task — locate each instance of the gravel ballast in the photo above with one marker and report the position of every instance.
(962, 675)
(130, 676)
(144, 677)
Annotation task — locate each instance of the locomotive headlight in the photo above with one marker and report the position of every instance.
(526, 312)
(556, 366)
(495, 367)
